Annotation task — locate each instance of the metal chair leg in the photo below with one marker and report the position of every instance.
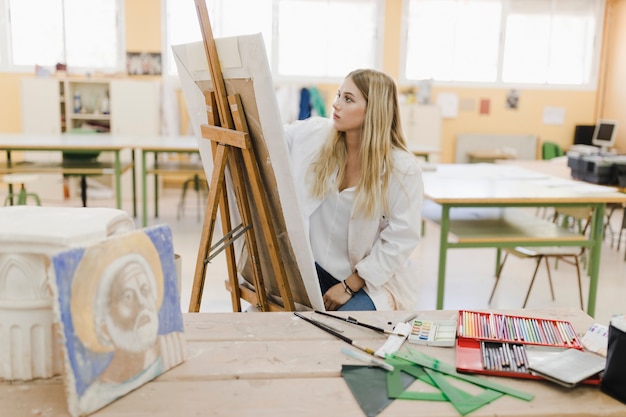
(580, 285)
(532, 281)
(547, 261)
(493, 290)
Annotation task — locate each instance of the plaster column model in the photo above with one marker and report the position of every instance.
(29, 347)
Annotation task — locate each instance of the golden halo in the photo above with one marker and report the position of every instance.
(90, 270)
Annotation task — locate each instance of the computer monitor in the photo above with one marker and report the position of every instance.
(604, 134)
(583, 134)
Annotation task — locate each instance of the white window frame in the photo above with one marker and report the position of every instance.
(6, 41)
(589, 86)
(274, 50)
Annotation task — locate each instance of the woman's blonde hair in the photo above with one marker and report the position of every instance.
(381, 134)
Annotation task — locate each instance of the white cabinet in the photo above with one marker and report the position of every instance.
(421, 124)
(41, 106)
(120, 106)
(135, 107)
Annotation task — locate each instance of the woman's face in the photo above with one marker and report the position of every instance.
(349, 108)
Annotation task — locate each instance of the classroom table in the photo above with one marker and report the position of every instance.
(156, 146)
(423, 151)
(276, 364)
(488, 155)
(478, 206)
(76, 144)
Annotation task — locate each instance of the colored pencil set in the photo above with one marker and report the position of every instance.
(501, 344)
(502, 327)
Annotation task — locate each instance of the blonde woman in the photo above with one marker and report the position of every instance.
(360, 189)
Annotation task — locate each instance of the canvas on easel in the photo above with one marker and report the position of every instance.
(117, 308)
(246, 73)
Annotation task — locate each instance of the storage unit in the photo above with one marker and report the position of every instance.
(120, 106)
(421, 125)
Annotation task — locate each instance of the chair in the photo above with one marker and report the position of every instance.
(200, 186)
(22, 196)
(611, 208)
(550, 150)
(568, 217)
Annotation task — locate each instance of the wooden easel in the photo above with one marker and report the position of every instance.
(231, 146)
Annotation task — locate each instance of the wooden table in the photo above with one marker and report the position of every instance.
(275, 364)
(163, 144)
(74, 143)
(486, 155)
(500, 188)
(423, 151)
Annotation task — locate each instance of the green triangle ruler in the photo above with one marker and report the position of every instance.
(429, 362)
(462, 401)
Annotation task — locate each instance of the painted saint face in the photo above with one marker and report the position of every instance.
(131, 319)
(349, 108)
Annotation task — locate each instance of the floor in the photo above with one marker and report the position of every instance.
(470, 272)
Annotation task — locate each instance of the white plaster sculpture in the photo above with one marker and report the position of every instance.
(28, 235)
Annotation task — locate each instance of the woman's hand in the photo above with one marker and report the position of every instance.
(335, 297)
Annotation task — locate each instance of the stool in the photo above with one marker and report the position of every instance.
(22, 196)
(197, 183)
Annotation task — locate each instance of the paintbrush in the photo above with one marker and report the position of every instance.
(352, 320)
(334, 333)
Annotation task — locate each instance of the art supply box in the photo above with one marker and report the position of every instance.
(505, 345)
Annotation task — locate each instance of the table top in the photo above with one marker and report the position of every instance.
(423, 149)
(490, 154)
(168, 144)
(275, 364)
(502, 184)
(556, 167)
(100, 141)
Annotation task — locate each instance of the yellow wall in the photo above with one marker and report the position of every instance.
(392, 37)
(10, 115)
(143, 34)
(143, 25)
(526, 119)
(613, 100)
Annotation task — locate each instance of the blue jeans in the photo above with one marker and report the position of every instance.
(360, 301)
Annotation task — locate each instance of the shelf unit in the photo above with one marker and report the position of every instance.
(49, 105)
(86, 105)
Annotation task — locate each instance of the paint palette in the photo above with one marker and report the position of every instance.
(433, 333)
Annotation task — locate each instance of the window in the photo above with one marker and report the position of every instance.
(323, 38)
(304, 38)
(84, 35)
(540, 42)
(182, 24)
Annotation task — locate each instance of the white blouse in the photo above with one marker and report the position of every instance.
(329, 233)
